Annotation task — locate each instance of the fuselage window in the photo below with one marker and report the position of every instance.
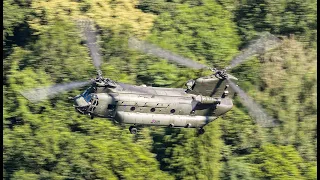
(132, 108)
(173, 111)
(152, 109)
(111, 106)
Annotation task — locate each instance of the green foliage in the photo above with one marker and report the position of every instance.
(202, 32)
(158, 74)
(188, 156)
(247, 73)
(276, 162)
(87, 150)
(60, 47)
(230, 5)
(13, 16)
(156, 6)
(49, 140)
(15, 29)
(59, 143)
(289, 96)
(23, 175)
(236, 168)
(243, 137)
(279, 17)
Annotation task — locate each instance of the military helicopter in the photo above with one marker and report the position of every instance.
(203, 101)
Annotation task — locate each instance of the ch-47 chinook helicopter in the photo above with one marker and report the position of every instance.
(203, 101)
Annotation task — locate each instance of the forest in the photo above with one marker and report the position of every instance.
(42, 46)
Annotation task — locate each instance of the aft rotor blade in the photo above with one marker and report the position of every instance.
(42, 93)
(259, 46)
(255, 110)
(91, 41)
(159, 52)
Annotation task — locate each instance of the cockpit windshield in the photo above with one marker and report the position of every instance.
(86, 94)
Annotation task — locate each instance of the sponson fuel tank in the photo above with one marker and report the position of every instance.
(177, 121)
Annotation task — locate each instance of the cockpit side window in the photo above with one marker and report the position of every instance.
(86, 94)
(88, 91)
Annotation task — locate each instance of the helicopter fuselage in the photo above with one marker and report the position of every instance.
(155, 106)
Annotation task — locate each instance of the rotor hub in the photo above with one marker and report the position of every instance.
(100, 81)
(221, 74)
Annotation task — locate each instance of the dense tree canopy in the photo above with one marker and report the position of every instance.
(280, 17)
(203, 32)
(49, 140)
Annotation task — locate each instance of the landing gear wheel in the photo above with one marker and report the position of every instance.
(90, 115)
(133, 130)
(201, 131)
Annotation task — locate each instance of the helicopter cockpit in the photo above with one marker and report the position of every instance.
(82, 101)
(87, 94)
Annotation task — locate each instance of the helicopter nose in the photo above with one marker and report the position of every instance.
(80, 101)
(81, 105)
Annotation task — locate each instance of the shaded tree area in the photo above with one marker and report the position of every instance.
(49, 140)
(187, 155)
(201, 31)
(278, 17)
(15, 29)
(292, 101)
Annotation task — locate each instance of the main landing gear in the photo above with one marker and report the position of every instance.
(133, 130)
(201, 131)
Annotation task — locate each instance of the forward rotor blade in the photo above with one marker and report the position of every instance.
(156, 51)
(255, 110)
(133, 88)
(42, 93)
(259, 46)
(91, 41)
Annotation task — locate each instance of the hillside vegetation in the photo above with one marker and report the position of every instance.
(42, 46)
